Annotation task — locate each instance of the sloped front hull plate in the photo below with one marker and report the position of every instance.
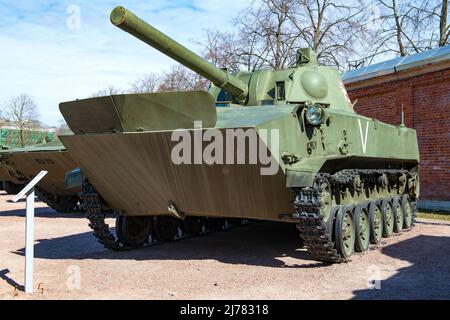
(135, 174)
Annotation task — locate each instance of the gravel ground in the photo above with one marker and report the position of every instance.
(260, 261)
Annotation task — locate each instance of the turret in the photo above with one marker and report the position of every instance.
(304, 83)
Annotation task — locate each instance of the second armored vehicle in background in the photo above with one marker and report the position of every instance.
(11, 139)
(20, 165)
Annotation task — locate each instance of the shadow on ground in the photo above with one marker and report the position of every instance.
(432, 223)
(4, 276)
(44, 212)
(258, 244)
(427, 278)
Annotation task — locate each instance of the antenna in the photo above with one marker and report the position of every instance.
(402, 124)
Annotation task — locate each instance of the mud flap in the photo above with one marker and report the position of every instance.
(74, 179)
(299, 179)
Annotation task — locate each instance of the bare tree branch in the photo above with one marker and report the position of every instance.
(22, 111)
(416, 25)
(111, 90)
(148, 84)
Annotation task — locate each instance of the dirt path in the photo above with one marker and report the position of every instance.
(261, 261)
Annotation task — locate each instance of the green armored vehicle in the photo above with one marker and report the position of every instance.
(20, 165)
(281, 145)
(8, 181)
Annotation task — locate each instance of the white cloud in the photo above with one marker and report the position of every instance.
(40, 56)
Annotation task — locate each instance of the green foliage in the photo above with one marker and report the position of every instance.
(434, 215)
(11, 137)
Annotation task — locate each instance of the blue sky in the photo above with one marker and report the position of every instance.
(49, 55)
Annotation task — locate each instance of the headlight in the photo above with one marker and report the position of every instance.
(314, 115)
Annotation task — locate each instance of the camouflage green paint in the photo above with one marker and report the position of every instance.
(257, 100)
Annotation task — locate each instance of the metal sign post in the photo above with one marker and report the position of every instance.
(28, 191)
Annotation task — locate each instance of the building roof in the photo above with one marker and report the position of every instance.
(398, 64)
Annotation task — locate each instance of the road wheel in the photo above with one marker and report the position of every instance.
(398, 215)
(194, 225)
(133, 231)
(345, 232)
(165, 228)
(12, 188)
(362, 228)
(388, 218)
(376, 222)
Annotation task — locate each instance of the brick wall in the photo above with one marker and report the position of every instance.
(426, 102)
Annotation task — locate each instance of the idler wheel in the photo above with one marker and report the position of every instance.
(165, 228)
(194, 225)
(215, 224)
(362, 228)
(376, 222)
(407, 212)
(345, 232)
(398, 215)
(388, 218)
(133, 231)
(63, 204)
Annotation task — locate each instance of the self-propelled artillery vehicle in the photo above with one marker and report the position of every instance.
(298, 153)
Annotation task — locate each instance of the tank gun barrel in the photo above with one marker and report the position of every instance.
(127, 21)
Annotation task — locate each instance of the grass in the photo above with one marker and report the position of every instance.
(434, 215)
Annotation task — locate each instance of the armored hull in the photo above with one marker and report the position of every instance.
(135, 174)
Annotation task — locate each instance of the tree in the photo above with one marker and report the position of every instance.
(147, 84)
(269, 33)
(111, 90)
(22, 111)
(431, 18)
(412, 26)
(221, 49)
(267, 36)
(62, 128)
(179, 78)
(444, 28)
(338, 30)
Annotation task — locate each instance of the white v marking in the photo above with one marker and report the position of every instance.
(363, 138)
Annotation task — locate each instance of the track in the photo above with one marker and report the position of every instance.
(317, 208)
